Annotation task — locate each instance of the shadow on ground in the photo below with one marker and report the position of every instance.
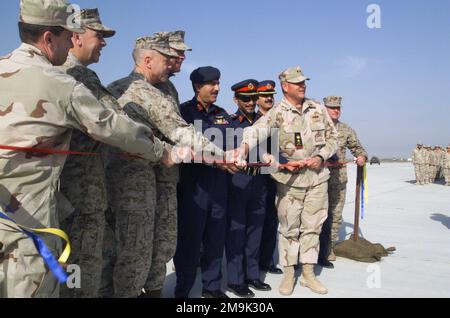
(445, 220)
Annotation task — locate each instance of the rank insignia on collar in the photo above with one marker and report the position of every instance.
(220, 120)
(298, 141)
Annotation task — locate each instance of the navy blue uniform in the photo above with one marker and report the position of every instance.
(270, 228)
(202, 197)
(246, 212)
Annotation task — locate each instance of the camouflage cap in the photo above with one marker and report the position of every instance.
(158, 41)
(293, 75)
(90, 18)
(176, 41)
(48, 13)
(333, 101)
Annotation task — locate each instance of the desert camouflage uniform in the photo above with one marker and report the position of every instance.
(418, 158)
(133, 187)
(447, 167)
(83, 184)
(39, 105)
(427, 159)
(301, 198)
(442, 163)
(337, 185)
(439, 162)
(433, 165)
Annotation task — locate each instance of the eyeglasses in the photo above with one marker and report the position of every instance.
(247, 99)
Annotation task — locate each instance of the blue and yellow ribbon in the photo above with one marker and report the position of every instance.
(364, 191)
(53, 264)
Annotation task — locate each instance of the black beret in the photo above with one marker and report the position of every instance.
(205, 74)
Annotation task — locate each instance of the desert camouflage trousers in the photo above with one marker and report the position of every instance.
(23, 273)
(301, 213)
(421, 173)
(447, 176)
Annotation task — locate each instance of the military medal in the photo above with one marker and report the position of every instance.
(220, 120)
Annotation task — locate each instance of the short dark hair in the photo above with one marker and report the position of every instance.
(30, 33)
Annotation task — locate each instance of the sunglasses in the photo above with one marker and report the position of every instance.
(247, 99)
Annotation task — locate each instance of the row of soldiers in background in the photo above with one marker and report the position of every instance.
(431, 164)
(125, 251)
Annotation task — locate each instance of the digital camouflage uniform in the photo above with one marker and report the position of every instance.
(83, 178)
(145, 103)
(337, 185)
(166, 215)
(83, 184)
(39, 105)
(301, 198)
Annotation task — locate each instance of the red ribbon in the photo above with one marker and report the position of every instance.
(64, 152)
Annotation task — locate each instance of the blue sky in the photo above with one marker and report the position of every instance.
(395, 81)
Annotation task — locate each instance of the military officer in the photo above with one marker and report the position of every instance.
(202, 194)
(337, 184)
(39, 106)
(307, 138)
(418, 161)
(246, 204)
(166, 186)
(134, 186)
(83, 177)
(447, 166)
(266, 101)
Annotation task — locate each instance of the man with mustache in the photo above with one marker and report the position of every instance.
(83, 177)
(246, 204)
(202, 194)
(307, 138)
(266, 101)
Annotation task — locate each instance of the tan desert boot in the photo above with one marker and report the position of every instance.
(332, 256)
(308, 279)
(288, 282)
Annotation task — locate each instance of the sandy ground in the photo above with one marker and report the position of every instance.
(415, 219)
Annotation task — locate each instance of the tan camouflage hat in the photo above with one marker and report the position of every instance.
(333, 101)
(293, 75)
(48, 13)
(176, 41)
(158, 42)
(90, 18)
